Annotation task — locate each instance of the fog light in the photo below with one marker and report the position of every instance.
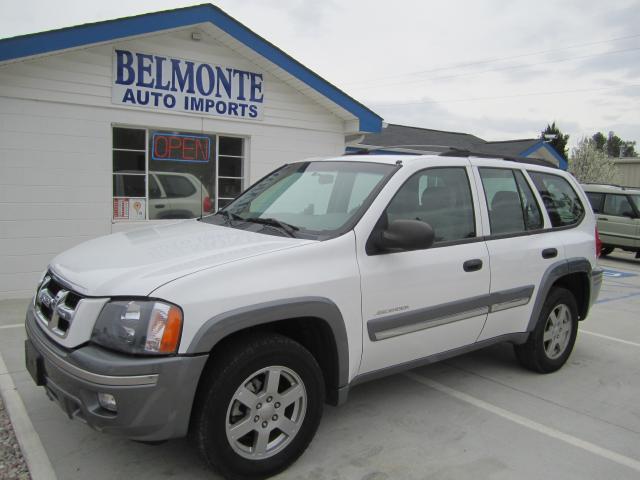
(108, 402)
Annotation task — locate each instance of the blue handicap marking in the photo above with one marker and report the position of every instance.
(618, 274)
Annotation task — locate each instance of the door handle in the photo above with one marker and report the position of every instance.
(603, 218)
(549, 253)
(160, 205)
(472, 265)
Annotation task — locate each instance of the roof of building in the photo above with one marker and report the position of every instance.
(37, 44)
(411, 139)
(507, 147)
(417, 138)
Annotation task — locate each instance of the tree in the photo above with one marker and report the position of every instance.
(600, 140)
(590, 164)
(559, 142)
(630, 149)
(614, 146)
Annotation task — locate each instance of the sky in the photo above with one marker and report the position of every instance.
(498, 69)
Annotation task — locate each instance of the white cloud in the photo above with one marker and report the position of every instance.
(372, 50)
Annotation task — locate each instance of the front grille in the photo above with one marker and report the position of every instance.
(55, 305)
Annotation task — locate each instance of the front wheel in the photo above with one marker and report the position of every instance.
(551, 342)
(259, 406)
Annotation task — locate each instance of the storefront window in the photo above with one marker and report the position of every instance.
(230, 169)
(159, 174)
(129, 174)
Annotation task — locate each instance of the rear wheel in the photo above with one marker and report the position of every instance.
(551, 342)
(259, 407)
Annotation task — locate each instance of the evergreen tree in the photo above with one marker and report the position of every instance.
(559, 142)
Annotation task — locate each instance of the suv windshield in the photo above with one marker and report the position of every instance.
(309, 199)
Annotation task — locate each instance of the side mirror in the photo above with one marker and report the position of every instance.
(406, 235)
(628, 214)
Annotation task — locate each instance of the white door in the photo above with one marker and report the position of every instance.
(419, 303)
(520, 248)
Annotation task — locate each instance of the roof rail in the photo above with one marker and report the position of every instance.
(457, 152)
(364, 150)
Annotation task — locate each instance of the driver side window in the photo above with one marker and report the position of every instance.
(440, 197)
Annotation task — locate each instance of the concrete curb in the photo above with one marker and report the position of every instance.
(37, 460)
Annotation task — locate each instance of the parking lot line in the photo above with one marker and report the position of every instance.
(34, 453)
(614, 299)
(620, 340)
(527, 423)
(13, 325)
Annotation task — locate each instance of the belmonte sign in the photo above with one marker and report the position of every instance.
(155, 81)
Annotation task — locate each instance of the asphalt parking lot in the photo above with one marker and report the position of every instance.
(477, 416)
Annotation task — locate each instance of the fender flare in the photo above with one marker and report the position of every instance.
(551, 275)
(219, 327)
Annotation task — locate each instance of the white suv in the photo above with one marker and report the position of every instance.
(236, 328)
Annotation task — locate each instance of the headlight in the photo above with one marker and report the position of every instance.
(139, 327)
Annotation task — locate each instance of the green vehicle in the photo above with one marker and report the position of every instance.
(617, 211)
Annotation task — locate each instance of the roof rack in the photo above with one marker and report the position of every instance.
(453, 152)
(363, 150)
(457, 152)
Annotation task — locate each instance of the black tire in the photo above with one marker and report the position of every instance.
(606, 250)
(217, 397)
(535, 354)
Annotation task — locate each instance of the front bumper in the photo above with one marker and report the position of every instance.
(154, 395)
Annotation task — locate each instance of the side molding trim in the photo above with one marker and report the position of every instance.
(430, 317)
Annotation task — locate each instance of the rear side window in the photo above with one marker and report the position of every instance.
(618, 205)
(177, 186)
(440, 197)
(595, 199)
(511, 204)
(560, 199)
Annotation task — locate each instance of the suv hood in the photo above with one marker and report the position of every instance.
(137, 262)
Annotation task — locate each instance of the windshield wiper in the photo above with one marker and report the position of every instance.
(285, 227)
(229, 215)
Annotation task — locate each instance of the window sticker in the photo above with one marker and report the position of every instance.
(137, 208)
(121, 209)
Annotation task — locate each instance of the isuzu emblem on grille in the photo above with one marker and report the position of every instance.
(55, 308)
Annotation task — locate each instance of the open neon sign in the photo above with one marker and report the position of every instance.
(181, 148)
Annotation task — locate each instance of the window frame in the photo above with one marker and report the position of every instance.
(520, 198)
(148, 129)
(534, 193)
(579, 221)
(370, 248)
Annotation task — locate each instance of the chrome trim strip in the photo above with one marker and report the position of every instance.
(516, 302)
(390, 326)
(435, 322)
(110, 380)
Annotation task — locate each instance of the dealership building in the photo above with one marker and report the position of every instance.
(108, 126)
